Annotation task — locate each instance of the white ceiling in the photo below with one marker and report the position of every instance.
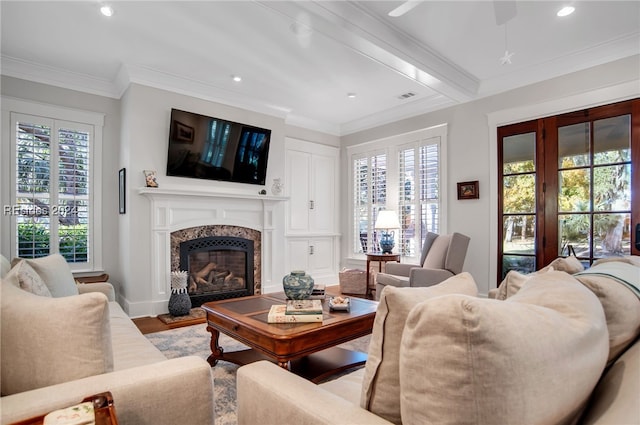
(298, 60)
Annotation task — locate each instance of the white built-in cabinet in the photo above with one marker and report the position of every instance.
(311, 183)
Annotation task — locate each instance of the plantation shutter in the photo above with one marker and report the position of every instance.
(52, 196)
(370, 192)
(418, 194)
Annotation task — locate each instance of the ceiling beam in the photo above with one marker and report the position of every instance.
(355, 27)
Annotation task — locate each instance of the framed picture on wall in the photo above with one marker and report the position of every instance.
(468, 190)
(122, 186)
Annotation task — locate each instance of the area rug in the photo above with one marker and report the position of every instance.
(194, 341)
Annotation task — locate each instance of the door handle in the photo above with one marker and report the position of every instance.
(638, 236)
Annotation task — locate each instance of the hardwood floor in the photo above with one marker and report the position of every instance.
(149, 325)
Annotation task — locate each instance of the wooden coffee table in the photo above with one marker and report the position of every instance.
(307, 349)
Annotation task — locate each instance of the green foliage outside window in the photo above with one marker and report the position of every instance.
(34, 241)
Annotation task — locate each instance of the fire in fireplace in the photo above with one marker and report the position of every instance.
(219, 267)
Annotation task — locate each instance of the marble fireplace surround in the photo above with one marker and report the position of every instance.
(178, 209)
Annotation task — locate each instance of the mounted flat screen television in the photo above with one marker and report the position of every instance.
(212, 148)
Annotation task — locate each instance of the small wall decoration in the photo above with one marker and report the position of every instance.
(122, 186)
(468, 190)
(150, 178)
(182, 132)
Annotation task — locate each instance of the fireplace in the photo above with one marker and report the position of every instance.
(222, 261)
(219, 267)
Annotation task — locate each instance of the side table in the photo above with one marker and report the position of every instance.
(380, 258)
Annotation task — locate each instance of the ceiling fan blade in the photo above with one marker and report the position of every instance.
(504, 10)
(404, 8)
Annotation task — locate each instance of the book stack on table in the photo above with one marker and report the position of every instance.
(296, 311)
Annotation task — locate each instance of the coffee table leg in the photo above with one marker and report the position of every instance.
(284, 365)
(216, 350)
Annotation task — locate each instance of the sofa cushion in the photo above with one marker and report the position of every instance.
(381, 383)
(513, 281)
(45, 341)
(55, 272)
(569, 264)
(615, 398)
(130, 347)
(28, 279)
(613, 282)
(531, 359)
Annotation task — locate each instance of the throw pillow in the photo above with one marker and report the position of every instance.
(46, 341)
(381, 383)
(608, 280)
(29, 280)
(569, 264)
(55, 272)
(531, 359)
(514, 280)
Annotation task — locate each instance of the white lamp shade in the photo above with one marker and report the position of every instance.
(387, 220)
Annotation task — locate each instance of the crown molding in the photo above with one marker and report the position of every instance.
(32, 71)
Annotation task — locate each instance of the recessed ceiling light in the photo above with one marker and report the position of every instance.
(106, 10)
(566, 11)
(351, 95)
(236, 78)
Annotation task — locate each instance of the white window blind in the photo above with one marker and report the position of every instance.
(418, 194)
(410, 169)
(52, 207)
(370, 196)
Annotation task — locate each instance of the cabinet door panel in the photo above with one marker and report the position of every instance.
(322, 258)
(298, 180)
(324, 193)
(299, 255)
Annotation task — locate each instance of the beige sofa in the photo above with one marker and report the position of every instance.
(70, 341)
(556, 350)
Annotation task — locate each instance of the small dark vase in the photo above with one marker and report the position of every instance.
(179, 303)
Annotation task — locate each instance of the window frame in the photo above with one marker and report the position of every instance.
(12, 109)
(391, 146)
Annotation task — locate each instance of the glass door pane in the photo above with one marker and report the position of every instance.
(518, 203)
(594, 188)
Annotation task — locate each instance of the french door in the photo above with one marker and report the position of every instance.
(569, 182)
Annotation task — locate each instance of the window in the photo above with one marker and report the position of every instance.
(418, 200)
(55, 199)
(567, 182)
(402, 173)
(370, 196)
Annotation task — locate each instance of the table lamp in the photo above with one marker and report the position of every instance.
(387, 220)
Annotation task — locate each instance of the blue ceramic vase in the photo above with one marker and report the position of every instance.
(297, 285)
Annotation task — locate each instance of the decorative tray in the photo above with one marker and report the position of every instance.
(339, 303)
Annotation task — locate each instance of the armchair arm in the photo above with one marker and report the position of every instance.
(104, 287)
(177, 391)
(268, 391)
(399, 269)
(427, 277)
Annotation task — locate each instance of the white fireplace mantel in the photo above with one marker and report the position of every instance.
(178, 208)
(153, 192)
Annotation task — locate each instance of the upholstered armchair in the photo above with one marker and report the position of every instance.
(442, 257)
